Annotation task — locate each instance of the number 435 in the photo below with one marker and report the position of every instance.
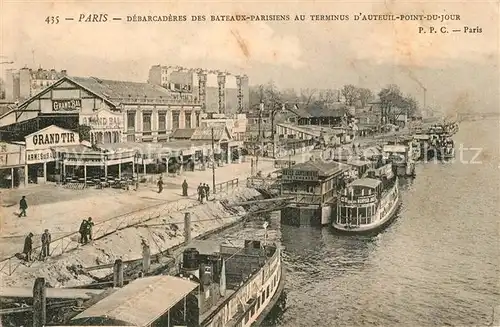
(52, 20)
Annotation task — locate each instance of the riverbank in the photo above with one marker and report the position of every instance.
(160, 233)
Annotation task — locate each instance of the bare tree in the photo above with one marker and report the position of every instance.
(365, 95)
(350, 94)
(306, 95)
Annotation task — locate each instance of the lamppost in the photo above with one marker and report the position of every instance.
(279, 107)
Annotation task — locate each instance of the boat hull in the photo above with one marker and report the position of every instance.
(371, 228)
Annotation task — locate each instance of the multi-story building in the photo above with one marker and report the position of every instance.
(115, 111)
(24, 83)
(219, 92)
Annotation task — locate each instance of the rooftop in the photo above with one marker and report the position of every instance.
(183, 133)
(111, 89)
(138, 302)
(366, 182)
(322, 167)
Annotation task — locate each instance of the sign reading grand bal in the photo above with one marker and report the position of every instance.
(66, 105)
(102, 119)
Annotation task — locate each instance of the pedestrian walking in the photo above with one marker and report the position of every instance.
(23, 206)
(46, 239)
(83, 232)
(89, 228)
(200, 187)
(202, 194)
(184, 188)
(160, 185)
(28, 247)
(207, 191)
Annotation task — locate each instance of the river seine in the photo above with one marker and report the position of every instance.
(438, 264)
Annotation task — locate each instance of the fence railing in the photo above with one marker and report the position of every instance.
(262, 183)
(72, 241)
(226, 186)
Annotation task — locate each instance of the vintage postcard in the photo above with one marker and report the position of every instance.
(249, 163)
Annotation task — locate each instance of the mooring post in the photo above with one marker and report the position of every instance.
(187, 227)
(118, 273)
(39, 303)
(146, 258)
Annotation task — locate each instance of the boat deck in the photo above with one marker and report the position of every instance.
(216, 305)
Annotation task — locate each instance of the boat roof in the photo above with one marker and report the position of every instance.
(359, 163)
(366, 182)
(142, 301)
(394, 148)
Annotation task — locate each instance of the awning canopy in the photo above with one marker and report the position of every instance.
(142, 301)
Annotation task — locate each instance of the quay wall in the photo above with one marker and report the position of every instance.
(161, 233)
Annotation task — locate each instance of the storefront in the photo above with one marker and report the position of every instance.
(96, 166)
(11, 165)
(40, 155)
(106, 126)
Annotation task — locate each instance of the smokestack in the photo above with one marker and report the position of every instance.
(39, 303)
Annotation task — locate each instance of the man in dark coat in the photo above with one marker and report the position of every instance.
(89, 227)
(23, 205)
(207, 191)
(28, 247)
(200, 187)
(46, 239)
(160, 185)
(184, 188)
(83, 232)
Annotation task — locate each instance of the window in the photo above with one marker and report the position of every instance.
(267, 291)
(162, 121)
(188, 120)
(131, 120)
(146, 121)
(175, 119)
(197, 119)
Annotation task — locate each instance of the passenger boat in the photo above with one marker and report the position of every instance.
(368, 204)
(217, 285)
(401, 157)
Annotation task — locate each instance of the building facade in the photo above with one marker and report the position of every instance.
(112, 111)
(219, 92)
(26, 82)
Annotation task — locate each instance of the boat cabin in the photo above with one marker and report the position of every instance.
(360, 167)
(313, 182)
(358, 201)
(395, 153)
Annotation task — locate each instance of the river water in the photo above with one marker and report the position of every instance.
(438, 264)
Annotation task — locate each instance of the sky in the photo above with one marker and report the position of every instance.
(459, 70)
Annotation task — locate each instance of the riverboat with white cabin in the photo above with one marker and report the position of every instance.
(368, 204)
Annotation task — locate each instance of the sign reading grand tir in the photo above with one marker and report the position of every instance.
(66, 105)
(50, 137)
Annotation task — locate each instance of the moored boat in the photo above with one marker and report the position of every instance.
(368, 204)
(217, 285)
(401, 158)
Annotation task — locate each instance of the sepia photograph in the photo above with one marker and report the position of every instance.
(249, 163)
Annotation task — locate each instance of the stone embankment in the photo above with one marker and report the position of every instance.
(161, 233)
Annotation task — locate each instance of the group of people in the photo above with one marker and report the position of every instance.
(46, 238)
(86, 230)
(203, 192)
